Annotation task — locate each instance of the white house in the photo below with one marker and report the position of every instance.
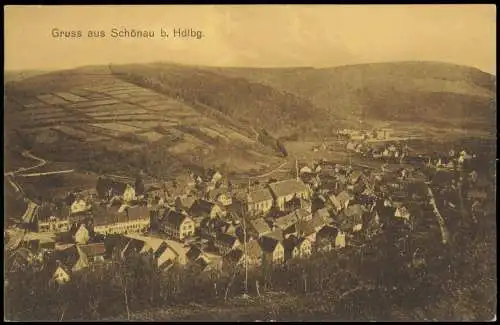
(79, 206)
(340, 240)
(60, 275)
(82, 235)
(305, 170)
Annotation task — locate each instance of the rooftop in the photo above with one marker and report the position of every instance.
(259, 196)
(287, 187)
(173, 217)
(268, 245)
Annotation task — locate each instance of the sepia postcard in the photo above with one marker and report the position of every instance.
(250, 163)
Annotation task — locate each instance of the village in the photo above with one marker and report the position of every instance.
(205, 223)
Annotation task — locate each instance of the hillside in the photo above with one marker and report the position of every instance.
(247, 102)
(167, 117)
(18, 75)
(435, 93)
(98, 122)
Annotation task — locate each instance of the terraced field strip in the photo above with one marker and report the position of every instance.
(235, 135)
(131, 117)
(117, 127)
(167, 107)
(188, 144)
(92, 133)
(108, 87)
(148, 125)
(120, 91)
(51, 122)
(152, 101)
(97, 97)
(51, 99)
(71, 97)
(213, 133)
(80, 92)
(43, 111)
(35, 105)
(71, 131)
(121, 105)
(152, 136)
(102, 102)
(21, 100)
(140, 91)
(53, 116)
(122, 96)
(112, 114)
(137, 100)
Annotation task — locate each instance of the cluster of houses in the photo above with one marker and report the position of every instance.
(358, 135)
(388, 151)
(201, 221)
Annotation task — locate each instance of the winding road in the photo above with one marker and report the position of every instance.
(20, 171)
(27, 154)
(41, 162)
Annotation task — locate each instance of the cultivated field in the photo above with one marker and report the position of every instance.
(114, 114)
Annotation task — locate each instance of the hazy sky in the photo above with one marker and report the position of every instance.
(256, 35)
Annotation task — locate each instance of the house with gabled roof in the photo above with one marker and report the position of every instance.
(344, 199)
(95, 252)
(286, 221)
(226, 243)
(220, 195)
(203, 208)
(351, 218)
(212, 176)
(259, 201)
(80, 205)
(61, 275)
(120, 219)
(49, 217)
(326, 239)
(273, 251)
(306, 229)
(255, 228)
(321, 216)
(108, 188)
(285, 191)
(184, 202)
(295, 247)
(276, 234)
(354, 177)
(402, 213)
(177, 225)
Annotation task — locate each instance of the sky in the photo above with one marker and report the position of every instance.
(253, 35)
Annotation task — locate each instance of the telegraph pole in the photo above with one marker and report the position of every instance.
(245, 294)
(296, 169)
